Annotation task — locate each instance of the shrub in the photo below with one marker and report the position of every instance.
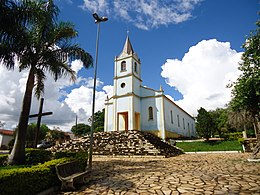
(30, 180)
(64, 154)
(36, 156)
(99, 129)
(81, 156)
(3, 160)
(241, 140)
(232, 136)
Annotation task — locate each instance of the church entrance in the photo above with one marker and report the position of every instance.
(137, 121)
(122, 121)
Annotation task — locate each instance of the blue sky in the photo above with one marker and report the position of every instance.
(190, 47)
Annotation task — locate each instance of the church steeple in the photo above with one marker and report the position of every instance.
(128, 49)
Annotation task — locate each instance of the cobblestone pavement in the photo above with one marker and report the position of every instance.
(184, 174)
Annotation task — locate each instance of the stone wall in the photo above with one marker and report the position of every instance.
(121, 143)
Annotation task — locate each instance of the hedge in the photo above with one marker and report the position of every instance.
(232, 136)
(32, 157)
(36, 156)
(29, 180)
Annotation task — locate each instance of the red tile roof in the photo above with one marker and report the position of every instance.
(6, 132)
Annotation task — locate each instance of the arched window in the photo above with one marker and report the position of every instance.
(135, 67)
(123, 66)
(150, 113)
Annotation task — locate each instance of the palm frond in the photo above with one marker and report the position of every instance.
(39, 82)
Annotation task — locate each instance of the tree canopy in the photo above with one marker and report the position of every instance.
(246, 91)
(31, 133)
(80, 129)
(99, 118)
(204, 125)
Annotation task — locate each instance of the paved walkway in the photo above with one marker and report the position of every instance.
(185, 174)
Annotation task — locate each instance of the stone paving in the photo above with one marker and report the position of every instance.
(184, 174)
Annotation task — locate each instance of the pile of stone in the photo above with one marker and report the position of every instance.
(121, 143)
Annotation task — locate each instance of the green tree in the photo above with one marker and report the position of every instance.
(204, 125)
(80, 129)
(246, 90)
(220, 121)
(55, 135)
(99, 118)
(43, 46)
(31, 133)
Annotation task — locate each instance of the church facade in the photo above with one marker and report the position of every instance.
(135, 107)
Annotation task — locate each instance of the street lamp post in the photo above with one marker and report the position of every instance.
(98, 20)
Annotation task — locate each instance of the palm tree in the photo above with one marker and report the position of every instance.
(44, 46)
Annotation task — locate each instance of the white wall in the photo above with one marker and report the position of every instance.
(109, 118)
(185, 128)
(126, 89)
(154, 124)
(5, 139)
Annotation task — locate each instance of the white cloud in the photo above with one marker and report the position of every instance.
(89, 82)
(202, 75)
(100, 6)
(76, 65)
(144, 14)
(109, 90)
(63, 103)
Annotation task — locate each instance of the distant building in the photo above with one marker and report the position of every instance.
(135, 107)
(5, 137)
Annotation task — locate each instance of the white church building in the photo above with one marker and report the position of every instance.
(135, 107)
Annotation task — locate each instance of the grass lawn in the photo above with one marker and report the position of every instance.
(210, 146)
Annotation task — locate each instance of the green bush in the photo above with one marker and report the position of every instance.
(233, 136)
(241, 140)
(3, 160)
(81, 156)
(64, 154)
(36, 156)
(30, 180)
(99, 129)
(250, 133)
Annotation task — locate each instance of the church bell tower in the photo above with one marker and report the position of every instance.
(126, 95)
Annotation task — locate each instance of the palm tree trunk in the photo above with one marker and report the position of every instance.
(17, 155)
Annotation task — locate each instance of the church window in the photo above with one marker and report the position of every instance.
(188, 126)
(122, 85)
(171, 117)
(123, 66)
(178, 118)
(135, 67)
(183, 123)
(150, 113)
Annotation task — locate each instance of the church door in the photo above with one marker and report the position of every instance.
(137, 121)
(122, 121)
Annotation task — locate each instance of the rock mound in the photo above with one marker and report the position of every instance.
(121, 143)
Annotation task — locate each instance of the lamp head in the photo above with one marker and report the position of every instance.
(98, 19)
